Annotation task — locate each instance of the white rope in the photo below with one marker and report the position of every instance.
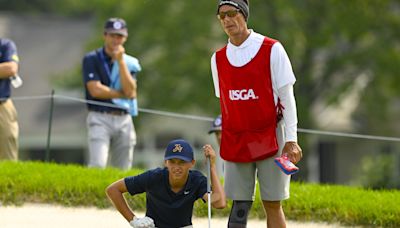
(208, 119)
(349, 135)
(30, 97)
(88, 101)
(177, 115)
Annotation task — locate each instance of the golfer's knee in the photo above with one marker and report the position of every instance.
(239, 213)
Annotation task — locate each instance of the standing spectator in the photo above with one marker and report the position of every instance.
(110, 77)
(216, 129)
(8, 115)
(254, 80)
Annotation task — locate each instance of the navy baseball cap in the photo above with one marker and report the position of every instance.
(180, 149)
(216, 125)
(116, 26)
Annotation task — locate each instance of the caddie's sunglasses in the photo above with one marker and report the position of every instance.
(230, 13)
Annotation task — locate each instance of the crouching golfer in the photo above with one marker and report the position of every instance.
(170, 191)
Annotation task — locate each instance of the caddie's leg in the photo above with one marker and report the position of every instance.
(239, 186)
(239, 213)
(98, 139)
(123, 142)
(275, 215)
(274, 186)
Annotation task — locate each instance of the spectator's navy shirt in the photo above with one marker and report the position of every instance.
(167, 208)
(94, 69)
(8, 52)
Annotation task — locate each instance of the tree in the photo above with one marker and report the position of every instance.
(330, 43)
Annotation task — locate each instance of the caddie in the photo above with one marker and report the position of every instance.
(253, 79)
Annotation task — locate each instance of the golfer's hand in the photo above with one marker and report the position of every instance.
(119, 53)
(293, 151)
(209, 152)
(145, 222)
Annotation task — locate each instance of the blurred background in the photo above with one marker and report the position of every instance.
(345, 55)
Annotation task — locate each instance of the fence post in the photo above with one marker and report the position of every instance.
(49, 129)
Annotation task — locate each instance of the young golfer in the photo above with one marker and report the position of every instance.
(170, 191)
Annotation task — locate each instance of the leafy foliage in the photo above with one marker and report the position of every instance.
(330, 43)
(377, 172)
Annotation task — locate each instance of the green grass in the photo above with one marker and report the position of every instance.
(72, 185)
(347, 205)
(68, 185)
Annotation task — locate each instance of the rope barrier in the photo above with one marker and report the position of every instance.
(349, 135)
(208, 119)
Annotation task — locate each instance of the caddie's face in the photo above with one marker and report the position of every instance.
(178, 169)
(232, 25)
(113, 41)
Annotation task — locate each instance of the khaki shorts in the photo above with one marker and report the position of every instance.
(8, 131)
(240, 178)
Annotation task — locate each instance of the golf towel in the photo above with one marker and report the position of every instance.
(133, 66)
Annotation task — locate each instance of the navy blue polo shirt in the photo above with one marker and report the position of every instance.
(8, 52)
(167, 208)
(94, 69)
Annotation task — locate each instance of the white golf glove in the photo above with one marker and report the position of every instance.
(145, 222)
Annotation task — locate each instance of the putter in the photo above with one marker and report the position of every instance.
(209, 191)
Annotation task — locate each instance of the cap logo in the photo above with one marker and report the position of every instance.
(217, 122)
(15, 58)
(117, 25)
(229, 2)
(178, 148)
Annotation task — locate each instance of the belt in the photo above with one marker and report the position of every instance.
(3, 101)
(112, 112)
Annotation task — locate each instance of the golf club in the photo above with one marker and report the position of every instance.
(209, 191)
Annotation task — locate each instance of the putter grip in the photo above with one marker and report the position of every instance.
(208, 175)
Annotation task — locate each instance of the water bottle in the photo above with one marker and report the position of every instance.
(16, 81)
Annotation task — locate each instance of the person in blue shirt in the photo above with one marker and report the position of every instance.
(109, 77)
(8, 115)
(170, 191)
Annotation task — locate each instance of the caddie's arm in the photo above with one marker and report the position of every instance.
(128, 83)
(291, 148)
(218, 198)
(115, 194)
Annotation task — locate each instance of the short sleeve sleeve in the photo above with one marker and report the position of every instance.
(10, 52)
(89, 69)
(137, 184)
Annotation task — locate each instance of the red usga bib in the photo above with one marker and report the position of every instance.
(248, 108)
